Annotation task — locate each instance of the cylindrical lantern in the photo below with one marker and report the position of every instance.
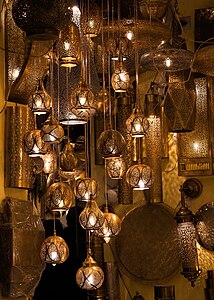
(91, 20)
(187, 242)
(180, 104)
(18, 171)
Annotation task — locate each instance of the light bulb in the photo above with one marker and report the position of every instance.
(168, 62)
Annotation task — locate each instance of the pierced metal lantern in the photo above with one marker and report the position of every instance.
(166, 59)
(86, 188)
(137, 124)
(91, 20)
(103, 100)
(116, 167)
(118, 44)
(91, 218)
(187, 242)
(38, 19)
(153, 9)
(50, 161)
(204, 61)
(54, 250)
(33, 144)
(111, 143)
(59, 197)
(39, 101)
(90, 276)
(83, 101)
(110, 228)
(52, 132)
(139, 177)
(68, 162)
(120, 78)
(69, 46)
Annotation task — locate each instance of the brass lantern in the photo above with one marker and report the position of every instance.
(116, 167)
(69, 45)
(111, 226)
(86, 188)
(83, 101)
(52, 132)
(118, 44)
(139, 176)
(39, 101)
(137, 124)
(59, 197)
(50, 161)
(33, 144)
(91, 218)
(90, 276)
(120, 78)
(111, 143)
(187, 241)
(54, 250)
(91, 20)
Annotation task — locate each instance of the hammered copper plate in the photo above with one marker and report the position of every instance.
(147, 246)
(205, 226)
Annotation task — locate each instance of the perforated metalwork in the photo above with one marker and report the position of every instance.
(194, 147)
(86, 188)
(33, 143)
(110, 228)
(153, 9)
(120, 79)
(116, 167)
(180, 104)
(91, 218)
(204, 61)
(91, 19)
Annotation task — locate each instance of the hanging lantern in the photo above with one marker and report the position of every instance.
(90, 276)
(86, 188)
(139, 177)
(68, 162)
(166, 59)
(110, 228)
(39, 101)
(91, 218)
(111, 144)
(102, 100)
(116, 167)
(59, 197)
(50, 161)
(116, 45)
(91, 20)
(120, 78)
(187, 241)
(69, 45)
(33, 144)
(137, 124)
(54, 250)
(52, 132)
(83, 101)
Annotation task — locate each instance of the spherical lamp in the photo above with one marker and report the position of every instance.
(33, 144)
(116, 167)
(137, 124)
(86, 188)
(111, 226)
(91, 218)
(120, 78)
(52, 132)
(139, 176)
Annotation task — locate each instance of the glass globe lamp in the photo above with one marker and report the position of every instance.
(139, 176)
(39, 102)
(137, 124)
(86, 188)
(68, 162)
(69, 46)
(52, 132)
(59, 197)
(33, 144)
(116, 167)
(91, 218)
(83, 101)
(120, 78)
(110, 228)
(111, 143)
(54, 250)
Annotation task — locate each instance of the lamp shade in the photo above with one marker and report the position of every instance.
(137, 124)
(39, 101)
(86, 188)
(59, 197)
(110, 228)
(54, 250)
(52, 132)
(139, 176)
(33, 144)
(111, 143)
(91, 20)
(116, 167)
(120, 78)
(153, 9)
(91, 218)
(90, 276)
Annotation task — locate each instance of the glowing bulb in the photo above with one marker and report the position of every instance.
(54, 255)
(137, 126)
(129, 35)
(196, 146)
(15, 73)
(66, 46)
(82, 100)
(168, 62)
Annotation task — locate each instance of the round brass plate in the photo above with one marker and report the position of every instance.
(147, 246)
